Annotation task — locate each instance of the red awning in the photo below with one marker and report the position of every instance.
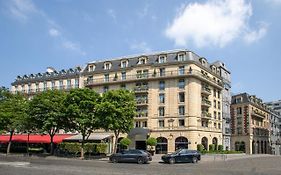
(34, 138)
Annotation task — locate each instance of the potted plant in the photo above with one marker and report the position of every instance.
(151, 142)
(125, 142)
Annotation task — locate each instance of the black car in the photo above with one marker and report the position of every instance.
(182, 155)
(134, 155)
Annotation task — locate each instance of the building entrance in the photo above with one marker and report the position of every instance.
(141, 145)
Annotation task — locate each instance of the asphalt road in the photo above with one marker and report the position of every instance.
(266, 165)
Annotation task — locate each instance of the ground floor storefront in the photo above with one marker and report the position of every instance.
(251, 145)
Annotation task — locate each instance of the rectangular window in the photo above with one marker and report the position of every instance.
(214, 93)
(239, 110)
(181, 110)
(144, 124)
(37, 87)
(68, 84)
(161, 123)
(29, 88)
(181, 70)
(161, 59)
(215, 115)
(181, 57)
(106, 77)
(76, 82)
(181, 97)
(61, 84)
(219, 105)
(215, 104)
(123, 75)
(123, 64)
(181, 84)
(145, 74)
(219, 94)
(162, 85)
(161, 111)
(45, 86)
(105, 88)
(161, 98)
(215, 125)
(162, 72)
(181, 122)
(219, 115)
(219, 125)
(53, 85)
(107, 66)
(137, 124)
(90, 68)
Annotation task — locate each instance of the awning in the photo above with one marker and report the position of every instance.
(34, 138)
(138, 131)
(94, 136)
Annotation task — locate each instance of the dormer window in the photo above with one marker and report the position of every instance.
(107, 66)
(124, 63)
(162, 59)
(91, 68)
(142, 60)
(203, 61)
(181, 57)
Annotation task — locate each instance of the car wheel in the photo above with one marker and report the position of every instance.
(194, 160)
(172, 160)
(140, 160)
(114, 160)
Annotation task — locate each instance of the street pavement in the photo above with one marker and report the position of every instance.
(210, 164)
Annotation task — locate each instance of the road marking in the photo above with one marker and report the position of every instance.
(15, 164)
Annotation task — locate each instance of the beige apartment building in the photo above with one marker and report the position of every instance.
(178, 95)
(250, 125)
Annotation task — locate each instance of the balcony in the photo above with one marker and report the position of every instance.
(257, 113)
(206, 103)
(141, 89)
(152, 76)
(141, 101)
(141, 115)
(206, 115)
(206, 91)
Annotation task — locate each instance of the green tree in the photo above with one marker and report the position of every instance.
(81, 107)
(13, 107)
(125, 142)
(47, 112)
(117, 111)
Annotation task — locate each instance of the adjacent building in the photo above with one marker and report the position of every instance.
(275, 132)
(182, 99)
(250, 124)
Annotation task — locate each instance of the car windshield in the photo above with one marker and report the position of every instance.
(178, 151)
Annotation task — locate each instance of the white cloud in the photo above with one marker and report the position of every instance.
(255, 35)
(140, 46)
(111, 13)
(21, 9)
(215, 22)
(25, 9)
(73, 46)
(54, 32)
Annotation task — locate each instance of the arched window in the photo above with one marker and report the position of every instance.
(215, 142)
(204, 142)
(162, 145)
(181, 142)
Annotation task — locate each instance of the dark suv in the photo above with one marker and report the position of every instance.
(182, 155)
(134, 155)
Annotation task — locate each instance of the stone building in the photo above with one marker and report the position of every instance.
(250, 124)
(179, 95)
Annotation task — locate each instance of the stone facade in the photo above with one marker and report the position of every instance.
(179, 95)
(250, 124)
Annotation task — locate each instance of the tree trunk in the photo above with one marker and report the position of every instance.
(116, 141)
(52, 145)
(28, 143)
(10, 141)
(82, 147)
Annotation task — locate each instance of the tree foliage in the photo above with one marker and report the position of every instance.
(47, 111)
(81, 108)
(125, 142)
(13, 107)
(117, 111)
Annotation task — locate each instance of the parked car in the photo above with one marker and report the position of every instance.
(134, 155)
(182, 155)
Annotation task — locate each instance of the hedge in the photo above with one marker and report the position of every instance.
(95, 148)
(200, 147)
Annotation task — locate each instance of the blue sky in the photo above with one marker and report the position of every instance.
(65, 33)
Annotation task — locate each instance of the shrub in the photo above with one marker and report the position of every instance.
(151, 141)
(101, 148)
(89, 147)
(200, 147)
(125, 142)
(220, 147)
(212, 147)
